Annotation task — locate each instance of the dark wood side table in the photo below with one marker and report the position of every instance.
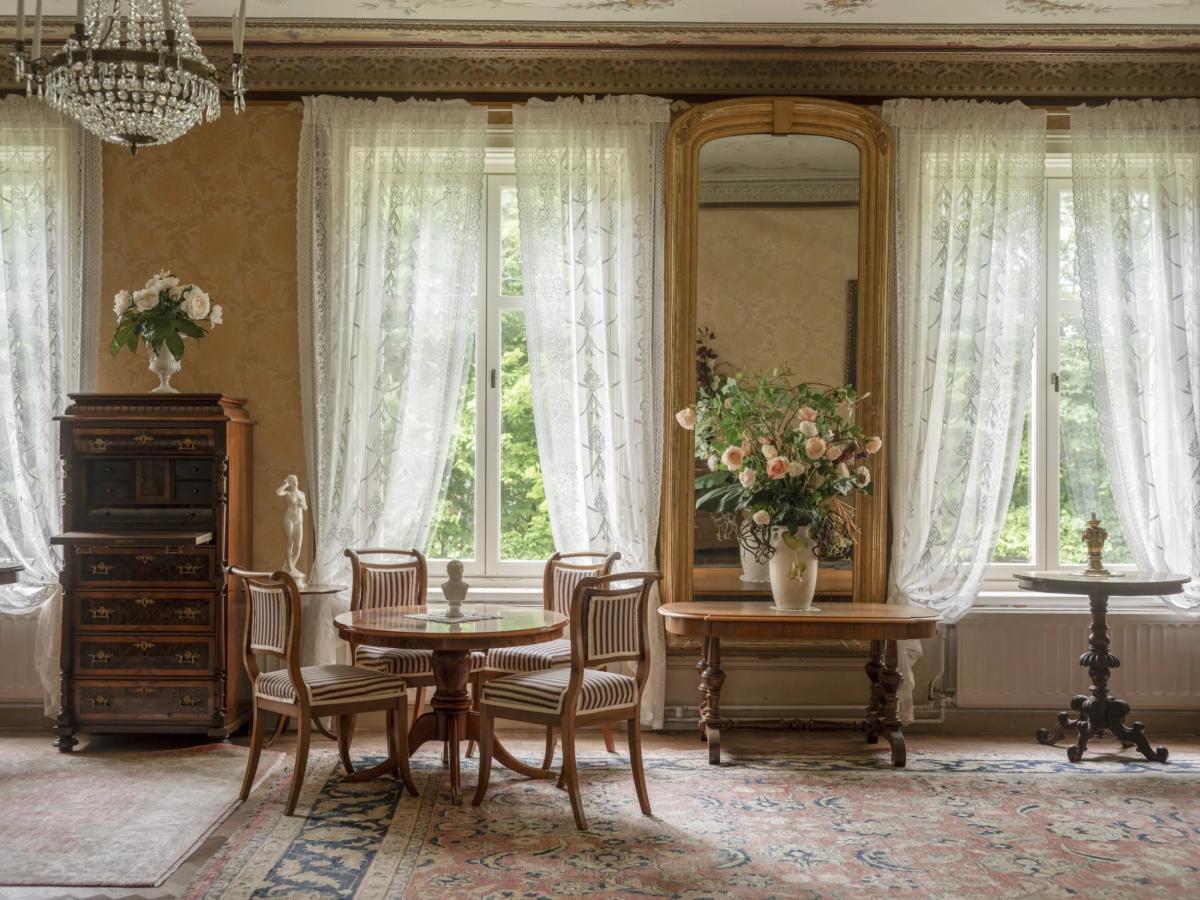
(883, 624)
(1100, 712)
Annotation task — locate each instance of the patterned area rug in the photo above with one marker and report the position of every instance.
(784, 827)
(112, 819)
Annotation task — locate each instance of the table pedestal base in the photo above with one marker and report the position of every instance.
(450, 721)
(1100, 713)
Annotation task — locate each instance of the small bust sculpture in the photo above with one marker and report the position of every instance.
(293, 525)
(454, 589)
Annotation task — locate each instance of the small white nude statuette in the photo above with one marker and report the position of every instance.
(293, 525)
(454, 589)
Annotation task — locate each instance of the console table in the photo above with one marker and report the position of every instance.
(883, 624)
(1101, 712)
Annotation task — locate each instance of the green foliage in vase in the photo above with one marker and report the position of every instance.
(163, 312)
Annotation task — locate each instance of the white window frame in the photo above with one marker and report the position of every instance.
(487, 568)
(999, 586)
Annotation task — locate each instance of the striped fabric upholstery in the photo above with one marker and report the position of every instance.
(269, 623)
(410, 662)
(389, 586)
(542, 692)
(330, 684)
(613, 626)
(533, 658)
(565, 579)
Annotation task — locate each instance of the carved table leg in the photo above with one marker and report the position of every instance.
(874, 669)
(889, 723)
(710, 710)
(701, 666)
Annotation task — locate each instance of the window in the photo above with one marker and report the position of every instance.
(1061, 474)
(493, 513)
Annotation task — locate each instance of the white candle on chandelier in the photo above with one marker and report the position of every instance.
(20, 21)
(239, 29)
(37, 30)
(79, 8)
(166, 9)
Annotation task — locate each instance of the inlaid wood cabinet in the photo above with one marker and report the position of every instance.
(156, 505)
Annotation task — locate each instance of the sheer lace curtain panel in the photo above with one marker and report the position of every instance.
(50, 206)
(970, 189)
(590, 193)
(390, 216)
(1136, 185)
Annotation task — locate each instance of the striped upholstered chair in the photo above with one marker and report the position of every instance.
(563, 572)
(273, 627)
(608, 625)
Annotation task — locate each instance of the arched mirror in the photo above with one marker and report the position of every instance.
(777, 225)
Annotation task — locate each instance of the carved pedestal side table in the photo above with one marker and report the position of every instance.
(1100, 712)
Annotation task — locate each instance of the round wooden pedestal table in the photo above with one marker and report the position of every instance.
(450, 718)
(883, 624)
(1100, 712)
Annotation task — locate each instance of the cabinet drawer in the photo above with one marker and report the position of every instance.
(145, 566)
(193, 491)
(149, 441)
(101, 470)
(145, 611)
(101, 700)
(151, 654)
(102, 492)
(193, 470)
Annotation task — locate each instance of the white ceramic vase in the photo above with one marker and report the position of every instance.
(753, 571)
(164, 365)
(793, 569)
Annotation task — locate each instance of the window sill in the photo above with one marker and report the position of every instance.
(504, 591)
(1009, 602)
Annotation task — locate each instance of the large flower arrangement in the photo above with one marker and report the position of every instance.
(163, 312)
(786, 454)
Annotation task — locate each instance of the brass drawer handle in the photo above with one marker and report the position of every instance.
(188, 614)
(188, 657)
(189, 569)
(143, 439)
(101, 700)
(100, 657)
(187, 444)
(100, 612)
(96, 445)
(101, 569)
(145, 558)
(143, 691)
(144, 646)
(144, 602)
(189, 700)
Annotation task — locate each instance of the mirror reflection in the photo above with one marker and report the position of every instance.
(777, 279)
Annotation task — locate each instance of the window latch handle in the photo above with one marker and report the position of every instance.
(1054, 381)
(492, 378)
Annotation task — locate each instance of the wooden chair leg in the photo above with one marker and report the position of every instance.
(391, 729)
(345, 730)
(486, 743)
(635, 763)
(571, 774)
(419, 703)
(304, 731)
(609, 744)
(476, 691)
(256, 742)
(401, 741)
(551, 742)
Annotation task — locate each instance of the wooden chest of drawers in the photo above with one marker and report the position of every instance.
(156, 506)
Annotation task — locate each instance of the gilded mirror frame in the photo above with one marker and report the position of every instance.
(687, 136)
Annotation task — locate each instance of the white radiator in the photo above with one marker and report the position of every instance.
(1031, 660)
(18, 678)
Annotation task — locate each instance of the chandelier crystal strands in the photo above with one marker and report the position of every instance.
(131, 72)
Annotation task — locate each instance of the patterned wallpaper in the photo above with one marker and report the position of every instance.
(219, 208)
(773, 285)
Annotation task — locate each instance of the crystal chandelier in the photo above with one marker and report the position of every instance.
(131, 72)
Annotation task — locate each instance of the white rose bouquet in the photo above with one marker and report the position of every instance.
(163, 312)
(785, 455)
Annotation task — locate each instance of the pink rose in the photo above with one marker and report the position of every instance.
(686, 418)
(807, 414)
(797, 468)
(747, 477)
(874, 444)
(833, 451)
(733, 458)
(777, 468)
(769, 451)
(761, 517)
(862, 477)
(814, 448)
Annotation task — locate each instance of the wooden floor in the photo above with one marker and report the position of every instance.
(529, 745)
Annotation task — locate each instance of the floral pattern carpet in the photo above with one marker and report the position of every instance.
(803, 826)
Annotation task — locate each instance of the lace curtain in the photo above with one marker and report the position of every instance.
(1136, 186)
(49, 260)
(390, 216)
(970, 191)
(590, 194)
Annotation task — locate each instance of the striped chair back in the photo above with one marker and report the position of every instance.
(272, 617)
(608, 619)
(563, 574)
(402, 581)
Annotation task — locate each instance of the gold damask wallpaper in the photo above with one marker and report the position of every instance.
(219, 209)
(774, 285)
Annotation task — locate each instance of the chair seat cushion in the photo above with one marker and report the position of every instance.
(407, 661)
(530, 658)
(330, 684)
(542, 692)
